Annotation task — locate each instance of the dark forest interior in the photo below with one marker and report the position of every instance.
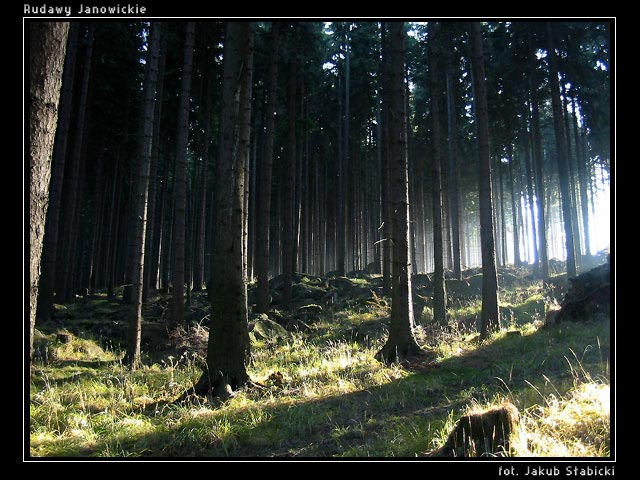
(312, 238)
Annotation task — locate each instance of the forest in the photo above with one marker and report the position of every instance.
(318, 239)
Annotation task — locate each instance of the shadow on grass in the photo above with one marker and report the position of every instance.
(401, 418)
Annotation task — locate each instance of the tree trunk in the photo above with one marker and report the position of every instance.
(138, 228)
(288, 187)
(582, 180)
(47, 45)
(201, 220)
(50, 247)
(439, 293)
(532, 213)
(538, 163)
(502, 238)
(454, 178)
(515, 207)
(180, 186)
(66, 257)
(572, 179)
(401, 344)
(150, 277)
(561, 153)
(229, 347)
(490, 317)
(385, 195)
(264, 216)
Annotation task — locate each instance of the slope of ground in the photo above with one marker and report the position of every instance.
(324, 394)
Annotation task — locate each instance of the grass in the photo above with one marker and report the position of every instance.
(327, 396)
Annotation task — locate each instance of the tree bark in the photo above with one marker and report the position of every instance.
(264, 216)
(439, 293)
(514, 190)
(385, 196)
(50, 247)
(561, 153)
(454, 180)
(229, 347)
(66, 257)
(530, 192)
(151, 250)
(538, 163)
(201, 219)
(582, 180)
(577, 241)
(139, 224)
(490, 317)
(401, 344)
(180, 186)
(47, 46)
(288, 187)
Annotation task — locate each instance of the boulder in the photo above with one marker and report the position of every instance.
(342, 284)
(269, 331)
(589, 297)
(373, 267)
(421, 280)
(358, 274)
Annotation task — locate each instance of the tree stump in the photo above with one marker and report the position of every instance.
(479, 434)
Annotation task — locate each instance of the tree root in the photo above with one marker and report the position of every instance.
(404, 353)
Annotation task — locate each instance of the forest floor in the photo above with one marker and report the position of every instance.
(324, 393)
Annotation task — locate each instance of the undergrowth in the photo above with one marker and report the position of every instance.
(325, 395)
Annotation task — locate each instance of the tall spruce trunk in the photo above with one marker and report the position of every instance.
(439, 293)
(139, 223)
(454, 179)
(65, 260)
(264, 216)
(530, 193)
(288, 187)
(582, 180)
(385, 194)
(228, 346)
(50, 247)
(561, 153)
(514, 191)
(577, 241)
(201, 219)
(151, 250)
(180, 186)
(401, 344)
(538, 163)
(490, 316)
(47, 47)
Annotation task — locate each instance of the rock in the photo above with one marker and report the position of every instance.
(369, 330)
(589, 297)
(332, 273)
(373, 267)
(342, 284)
(421, 280)
(277, 282)
(485, 433)
(269, 331)
(64, 337)
(311, 309)
(297, 325)
(358, 274)
(300, 290)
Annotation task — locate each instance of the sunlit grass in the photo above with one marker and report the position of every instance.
(324, 394)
